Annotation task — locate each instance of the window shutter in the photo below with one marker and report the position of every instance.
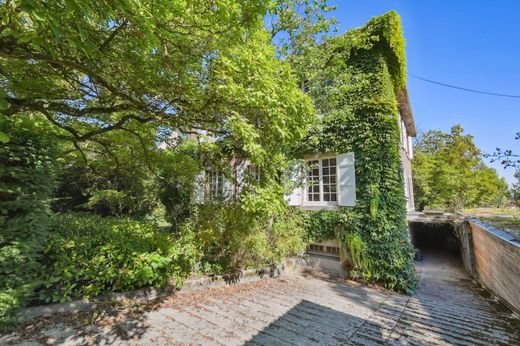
(346, 180)
(199, 187)
(295, 197)
(240, 170)
(227, 189)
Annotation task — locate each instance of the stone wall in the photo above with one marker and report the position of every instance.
(496, 256)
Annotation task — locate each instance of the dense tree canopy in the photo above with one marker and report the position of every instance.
(449, 173)
(93, 67)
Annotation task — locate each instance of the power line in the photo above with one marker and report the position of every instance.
(464, 89)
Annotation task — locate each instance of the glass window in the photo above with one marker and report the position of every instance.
(321, 180)
(329, 179)
(313, 181)
(215, 184)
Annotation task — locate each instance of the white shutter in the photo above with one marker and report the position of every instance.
(240, 171)
(227, 188)
(295, 176)
(198, 187)
(346, 180)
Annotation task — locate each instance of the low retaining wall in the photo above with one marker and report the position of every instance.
(191, 284)
(496, 261)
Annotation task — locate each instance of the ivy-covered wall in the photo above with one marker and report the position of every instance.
(355, 87)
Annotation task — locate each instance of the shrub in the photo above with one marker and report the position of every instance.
(88, 255)
(232, 238)
(176, 186)
(27, 177)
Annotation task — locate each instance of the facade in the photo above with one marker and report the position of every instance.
(355, 167)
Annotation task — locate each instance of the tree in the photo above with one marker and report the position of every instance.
(516, 188)
(507, 157)
(94, 67)
(449, 173)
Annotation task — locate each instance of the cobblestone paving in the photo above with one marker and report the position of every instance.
(296, 310)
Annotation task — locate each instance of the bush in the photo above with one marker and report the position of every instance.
(176, 186)
(27, 179)
(88, 255)
(232, 238)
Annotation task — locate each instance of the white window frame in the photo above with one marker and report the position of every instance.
(215, 193)
(321, 202)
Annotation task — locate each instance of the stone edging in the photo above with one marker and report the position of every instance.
(191, 284)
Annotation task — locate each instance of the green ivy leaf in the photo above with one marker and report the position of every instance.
(4, 138)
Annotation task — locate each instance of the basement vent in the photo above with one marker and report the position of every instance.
(331, 250)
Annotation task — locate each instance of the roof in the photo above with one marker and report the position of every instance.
(406, 112)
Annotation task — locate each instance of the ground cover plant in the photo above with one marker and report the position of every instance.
(87, 255)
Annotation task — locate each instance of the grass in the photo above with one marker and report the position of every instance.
(501, 218)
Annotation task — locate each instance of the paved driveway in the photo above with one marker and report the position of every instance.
(296, 310)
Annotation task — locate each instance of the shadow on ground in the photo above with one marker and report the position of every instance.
(309, 323)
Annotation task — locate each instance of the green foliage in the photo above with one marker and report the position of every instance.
(27, 179)
(87, 255)
(515, 190)
(449, 173)
(360, 76)
(321, 225)
(112, 178)
(97, 67)
(356, 251)
(232, 238)
(178, 176)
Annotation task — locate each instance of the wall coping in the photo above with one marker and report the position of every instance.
(146, 294)
(501, 234)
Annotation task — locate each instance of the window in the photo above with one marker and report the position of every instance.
(313, 181)
(321, 181)
(332, 250)
(215, 185)
(254, 171)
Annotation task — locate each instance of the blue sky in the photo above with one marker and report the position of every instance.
(472, 44)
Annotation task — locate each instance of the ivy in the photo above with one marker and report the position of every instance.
(355, 87)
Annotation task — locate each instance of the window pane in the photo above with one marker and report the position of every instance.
(313, 181)
(329, 179)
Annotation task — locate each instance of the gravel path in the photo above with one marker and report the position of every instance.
(448, 309)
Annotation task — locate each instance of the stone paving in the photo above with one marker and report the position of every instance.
(300, 309)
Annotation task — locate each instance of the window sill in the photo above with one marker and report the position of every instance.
(320, 207)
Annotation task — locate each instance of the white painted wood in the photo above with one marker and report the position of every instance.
(199, 187)
(346, 179)
(295, 176)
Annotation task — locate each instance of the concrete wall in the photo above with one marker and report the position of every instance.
(496, 256)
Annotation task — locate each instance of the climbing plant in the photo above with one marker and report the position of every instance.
(355, 87)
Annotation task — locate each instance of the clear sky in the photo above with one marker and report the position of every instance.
(468, 43)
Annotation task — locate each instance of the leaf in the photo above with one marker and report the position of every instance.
(4, 138)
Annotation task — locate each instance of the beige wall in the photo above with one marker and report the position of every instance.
(497, 262)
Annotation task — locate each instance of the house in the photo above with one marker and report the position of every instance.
(358, 163)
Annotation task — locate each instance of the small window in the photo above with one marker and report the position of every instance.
(255, 172)
(215, 185)
(321, 184)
